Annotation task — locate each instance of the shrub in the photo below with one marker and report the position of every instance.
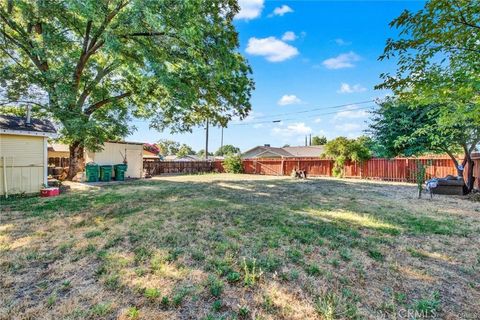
(152, 293)
(233, 163)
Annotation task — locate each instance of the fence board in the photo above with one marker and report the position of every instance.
(157, 166)
(397, 169)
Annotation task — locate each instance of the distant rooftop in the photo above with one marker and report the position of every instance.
(285, 152)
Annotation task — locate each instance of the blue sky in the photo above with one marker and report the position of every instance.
(307, 57)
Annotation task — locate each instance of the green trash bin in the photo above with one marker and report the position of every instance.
(120, 170)
(105, 173)
(91, 172)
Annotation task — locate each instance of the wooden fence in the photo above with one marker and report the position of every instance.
(156, 166)
(397, 169)
(62, 162)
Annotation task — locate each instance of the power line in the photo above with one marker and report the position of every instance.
(294, 119)
(316, 108)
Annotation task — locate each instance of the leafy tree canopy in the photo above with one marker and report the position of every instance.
(319, 140)
(227, 149)
(342, 149)
(168, 147)
(92, 64)
(405, 130)
(438, 54)
(184, 150)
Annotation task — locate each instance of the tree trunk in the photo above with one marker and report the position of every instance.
(456, 164)
(76, 160)
(470, 180)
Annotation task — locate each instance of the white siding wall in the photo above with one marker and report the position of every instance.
(24, 160)
(112, 154)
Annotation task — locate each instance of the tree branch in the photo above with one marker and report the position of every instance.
(100, 75)
(91, 46)
(97, 105)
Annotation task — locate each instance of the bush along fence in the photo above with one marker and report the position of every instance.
(397, 169)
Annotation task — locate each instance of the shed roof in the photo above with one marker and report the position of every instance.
(17, 123)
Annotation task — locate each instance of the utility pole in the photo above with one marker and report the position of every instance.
(305, 140)
(310, 140)
(206, 141)
(221, 141)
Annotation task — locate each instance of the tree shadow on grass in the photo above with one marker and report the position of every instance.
(214, 226)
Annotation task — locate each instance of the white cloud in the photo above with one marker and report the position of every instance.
(344, 60)
(351, 112)
(271, 48)
(346, 88)
(280, 11)
(249, 9)
(289, 36)
(289, 99)
(318, 120)
(342, 42)
(294, 129)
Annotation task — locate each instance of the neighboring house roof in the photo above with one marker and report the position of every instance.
(58, 147)
(12, 123)
(286, 152)
(151, 155)
(306, 151)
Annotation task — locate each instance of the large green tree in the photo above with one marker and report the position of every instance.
(168, 147)
(184, 150)
(401, 129)
(93, 64)
(319, 140)
(438, 56)
(227, 149)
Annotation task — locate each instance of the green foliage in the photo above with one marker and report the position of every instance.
(92, 64)
(438, 61)
(184, 150)
(406, 129)
(133, 313)
(233, 163)
(251, 273)
(152, 293)
(437, 53)
(215, 286)
(201, 153)
(217, 305)
(428, 306)
(342, 149)
(168, 147)
(226, 150)
(319, 140)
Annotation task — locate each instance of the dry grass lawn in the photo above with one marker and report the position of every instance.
(240, 247)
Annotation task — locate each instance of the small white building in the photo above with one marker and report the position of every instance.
(115, 153)
(23, 154)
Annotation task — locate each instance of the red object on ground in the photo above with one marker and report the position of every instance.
(50, 192)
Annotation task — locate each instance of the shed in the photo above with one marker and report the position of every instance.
(113, 152)
(23, 154)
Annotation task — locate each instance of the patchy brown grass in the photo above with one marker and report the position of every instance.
(240, 247)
